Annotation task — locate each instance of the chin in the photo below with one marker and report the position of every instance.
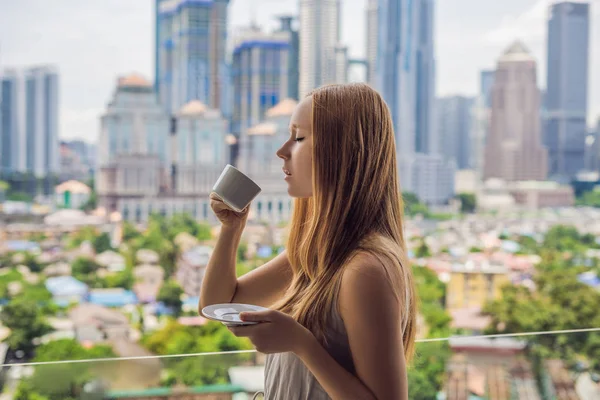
(298, 194)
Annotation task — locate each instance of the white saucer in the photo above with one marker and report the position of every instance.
(229, 313)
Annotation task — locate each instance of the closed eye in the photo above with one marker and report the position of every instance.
(298, 139)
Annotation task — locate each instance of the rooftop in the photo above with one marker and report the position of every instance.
(133, 80)
(283, 108)
(73, 187)
(517, 52)
(264, 128)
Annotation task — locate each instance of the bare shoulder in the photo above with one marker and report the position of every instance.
(366, 284)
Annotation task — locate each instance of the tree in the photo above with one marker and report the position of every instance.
(63, 381)
(101, 243)
(84, 269)
(468, 202)
(170, 294)
(211, 337)
(26, 322)
(32, 263)
(559, 302)
(423, 250)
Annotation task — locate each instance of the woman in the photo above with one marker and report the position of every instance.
(342, 313)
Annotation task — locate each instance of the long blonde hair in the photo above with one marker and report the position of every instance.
(356, 206)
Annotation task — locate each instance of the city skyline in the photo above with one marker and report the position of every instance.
(91, 49)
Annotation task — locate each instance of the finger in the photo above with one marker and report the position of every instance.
(242, 331)
(215, 196)
(257, 316)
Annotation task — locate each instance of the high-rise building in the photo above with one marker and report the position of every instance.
(319, 36)
(486, 82)
(29, 122)
(514, 150)
(480, 122)
(294, 58)
(264, 167)
(454, 129)
(150, 162)
(567, 88)
(260, 80)
(371, 51)
(260, 75)
(341, 64)
(190, 52)
(404, 75)
(426, 136)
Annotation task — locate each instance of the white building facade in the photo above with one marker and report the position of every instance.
(150, 163)
(273, 205)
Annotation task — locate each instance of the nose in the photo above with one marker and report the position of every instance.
(283, 152)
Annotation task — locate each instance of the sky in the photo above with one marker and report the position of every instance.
(94, 42)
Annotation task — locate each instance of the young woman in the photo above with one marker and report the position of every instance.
(342, 318)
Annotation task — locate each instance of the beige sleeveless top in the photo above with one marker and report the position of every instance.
(287, 378)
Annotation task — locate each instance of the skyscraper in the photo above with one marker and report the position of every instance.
(29, 122)
(567, 88)
(454, 129)
(190, 53)
(426, 135)
(294, 59)
(405, 76)
(260, 75)
(514, 150)
(486, 81)
(319, 36)
(371, 51)
(260, 80)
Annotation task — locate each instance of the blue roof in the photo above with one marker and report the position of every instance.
(265, 44)
(590, 279)
(66, 286)
(112, 298)
(21, 245)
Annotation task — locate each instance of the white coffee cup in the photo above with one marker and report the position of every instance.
(235, 189)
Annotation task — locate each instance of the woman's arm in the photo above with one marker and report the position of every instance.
(371, 315)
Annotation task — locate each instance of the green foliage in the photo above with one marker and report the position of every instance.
(560, 302)
(170, 294)
(26, 322)
(63, 381)
(84, 269)
(19, 196)
(160, 235)
(468, 202)
(123, 279)
(31, 262)
(241, 251)
(203, 370)
(413, 206)
(423, 250)
(590, 199)
(427, 371)
(426, 375)
(101, 243)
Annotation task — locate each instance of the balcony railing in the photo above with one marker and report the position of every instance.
(528, 366)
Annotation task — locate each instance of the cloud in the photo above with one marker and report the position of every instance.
(529, 26)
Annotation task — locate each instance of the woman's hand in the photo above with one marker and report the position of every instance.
(276, 332)
(228, 217)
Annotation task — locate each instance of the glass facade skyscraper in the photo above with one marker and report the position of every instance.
(29, 121)
(567, 88)
(190, 53)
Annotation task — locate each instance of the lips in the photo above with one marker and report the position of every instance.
(287, 172)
